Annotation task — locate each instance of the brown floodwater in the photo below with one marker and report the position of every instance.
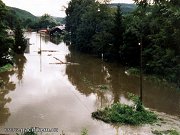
(41, 91)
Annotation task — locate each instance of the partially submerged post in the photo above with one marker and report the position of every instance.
(140, 44)
(40, 44)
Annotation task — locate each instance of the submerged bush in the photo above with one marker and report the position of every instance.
(84, 132)
(123, 114)
(30, 133)
(5, 68)
(132, 71)
(167, 132)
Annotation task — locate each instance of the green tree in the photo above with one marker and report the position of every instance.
(159, 32)
(27, 23)
(5, 42)
(103, 39)
(89, 23)
(118, 32)
(46, 21)
(20, 42)
(130, 52)
(95, 29)
(73, 19)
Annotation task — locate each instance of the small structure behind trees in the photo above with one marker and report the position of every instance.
(56, 30)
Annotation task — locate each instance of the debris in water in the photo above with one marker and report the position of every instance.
(61, 62)
(49, 51)
(67, 63)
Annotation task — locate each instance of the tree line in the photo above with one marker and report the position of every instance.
(28, 22)
(9, 46)
(96, 28)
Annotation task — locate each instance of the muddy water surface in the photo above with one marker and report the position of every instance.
(41, 91)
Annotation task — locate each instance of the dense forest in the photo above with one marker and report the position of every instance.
(98, 29)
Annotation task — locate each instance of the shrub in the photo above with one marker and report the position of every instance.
(123, 114)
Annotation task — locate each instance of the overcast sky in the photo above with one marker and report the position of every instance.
(40, 7)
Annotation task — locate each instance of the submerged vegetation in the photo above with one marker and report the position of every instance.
(119, 113)
(167, 132)
(84, 131)
(132, 71)
(5, 68)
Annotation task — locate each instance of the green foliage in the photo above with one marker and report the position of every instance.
(3, 10)
(44, 21)
(20, 42)
(89, 23)
(123, 114)
(84, 132)
(15, 15)
(146, 2)
(5, 42)
(137, 102)
(100, 88)
(133, 71)
(1, 81)
(155, 26)
(28, 20)
(22, 14)
(118, 31)
(161, 51)
(96, 28)
(126, 8)
(5, 68)
(103, 87)
(60, 20)
(167, 132)
(28, 133)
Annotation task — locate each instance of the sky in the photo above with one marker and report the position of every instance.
(40, 7)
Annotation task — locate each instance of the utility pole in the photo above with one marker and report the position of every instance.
(141, 66)
(142, 10)
(40, 54)
(40, 44)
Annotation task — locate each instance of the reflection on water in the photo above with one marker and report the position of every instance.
(47, 94)
(8, 85)
(5, 87)
(56, 40)
(93, 72)
(20, 61)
